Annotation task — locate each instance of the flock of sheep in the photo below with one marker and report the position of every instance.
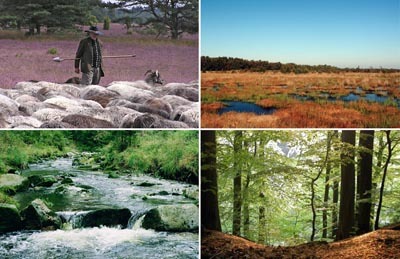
(139, 104)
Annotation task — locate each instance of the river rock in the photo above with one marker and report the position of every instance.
(42, 180)
(146, 184)
(176, 218)
(12, 183)
(38, 216)
(104, 217)
(67, 180)
(191, 192)
(10, 219)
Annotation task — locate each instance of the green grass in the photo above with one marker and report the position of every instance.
(4, 198)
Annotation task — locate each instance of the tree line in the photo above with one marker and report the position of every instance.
(283, 187)
(53, 15)
(238, 64)
(171, 18)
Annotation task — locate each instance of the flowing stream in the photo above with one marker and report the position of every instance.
(94, 190)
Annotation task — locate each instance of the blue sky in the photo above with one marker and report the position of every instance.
(336, 32)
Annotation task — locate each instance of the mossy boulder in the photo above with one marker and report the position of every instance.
(38, 216)
(113, 175)
(10, 219)
(67, 181)
(160, 193)
(104, 217)
(146, 184)
(12, 183)
(191, 192)
(42, 180)
(175, 218)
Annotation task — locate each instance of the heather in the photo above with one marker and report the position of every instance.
(28, 58)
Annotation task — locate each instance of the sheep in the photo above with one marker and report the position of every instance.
(49, 114)
(131, 93)
(82, 121)
(123, 104)
(117, 114)
(189, 93)
(153, 78)
(73, 80)
(159, 104)
(151, 121)
(56, 125)
(175, 101)
(98, 94)
(3, 122)
(8, 106)
(24, 122)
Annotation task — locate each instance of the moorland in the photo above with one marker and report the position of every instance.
(333, 98)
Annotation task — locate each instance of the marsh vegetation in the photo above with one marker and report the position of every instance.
(344, 99)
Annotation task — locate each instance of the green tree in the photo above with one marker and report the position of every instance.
(176, 16)
(38, 13)
(106, 25)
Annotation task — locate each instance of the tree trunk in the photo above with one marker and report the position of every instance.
(389, 156)
(347, 187)
(246, 209)
(335, 199)
(326, 194)
(38, 29)
(209, 185)
(314, 213)
(31, 30)
(246, 202)
(261, 221)
(379, 161)
(237, 184)
(364, 181)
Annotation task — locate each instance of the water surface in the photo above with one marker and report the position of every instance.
(237, 106)
(100, 242)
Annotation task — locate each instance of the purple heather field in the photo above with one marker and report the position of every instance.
(28, 59)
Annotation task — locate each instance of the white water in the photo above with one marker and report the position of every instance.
(103, 242)
(99, 243)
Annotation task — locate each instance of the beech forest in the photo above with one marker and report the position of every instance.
(287, 188)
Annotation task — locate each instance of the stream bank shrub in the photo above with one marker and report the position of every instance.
(166, 154)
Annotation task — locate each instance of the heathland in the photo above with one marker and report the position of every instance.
(25, 58)
(299, 100)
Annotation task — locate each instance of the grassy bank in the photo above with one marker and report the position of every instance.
(165, 154)
(19, 148)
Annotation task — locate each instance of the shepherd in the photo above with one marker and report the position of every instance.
(89, 56)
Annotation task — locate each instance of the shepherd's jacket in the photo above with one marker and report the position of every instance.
(85, 53)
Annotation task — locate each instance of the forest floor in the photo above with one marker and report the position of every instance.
(383, 243)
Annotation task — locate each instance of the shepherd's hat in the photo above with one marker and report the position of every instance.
(95, 30)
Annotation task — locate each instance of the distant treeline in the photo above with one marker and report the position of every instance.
(229, 64)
